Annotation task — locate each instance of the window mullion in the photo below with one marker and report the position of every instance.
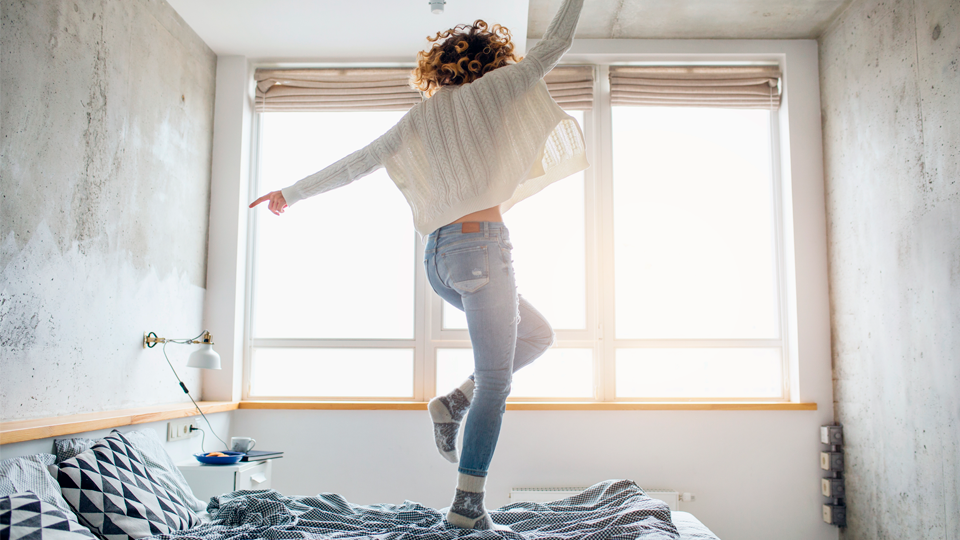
(249, 298)
(424, 370)
(264, 343)
(697, 343)
(606, 368)
(589, 338)
(787, 357)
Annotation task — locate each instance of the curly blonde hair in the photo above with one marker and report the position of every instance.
(461, 55)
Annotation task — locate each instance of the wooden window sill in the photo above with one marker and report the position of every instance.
(539, 406)
(59, 426)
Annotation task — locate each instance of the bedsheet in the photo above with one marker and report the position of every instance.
(611, 510)
(690, 527)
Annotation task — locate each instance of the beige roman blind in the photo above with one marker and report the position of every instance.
(361, 89)
(385, 89)
(571, 87)
(737, 87)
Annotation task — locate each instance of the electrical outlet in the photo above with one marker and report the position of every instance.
(180, 429)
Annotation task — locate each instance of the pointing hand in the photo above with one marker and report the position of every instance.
(277, 203)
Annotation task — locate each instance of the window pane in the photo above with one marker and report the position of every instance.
(699, 373)
(340, 265)
(332, 372)
(560, 372)
(693, 224)
(549, 253)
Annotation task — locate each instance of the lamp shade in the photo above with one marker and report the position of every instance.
(204, 358)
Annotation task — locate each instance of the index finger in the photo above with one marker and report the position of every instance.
(260, 200)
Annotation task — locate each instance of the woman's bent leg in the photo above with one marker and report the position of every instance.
(534, 336)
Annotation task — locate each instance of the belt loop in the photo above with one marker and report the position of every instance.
(486, 230)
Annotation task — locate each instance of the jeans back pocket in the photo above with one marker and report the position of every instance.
(467, 269)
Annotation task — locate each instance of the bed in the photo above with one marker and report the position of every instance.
(126, 487)
(614, 509)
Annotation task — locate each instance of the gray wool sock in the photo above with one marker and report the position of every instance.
(447, 412)
(467, 510)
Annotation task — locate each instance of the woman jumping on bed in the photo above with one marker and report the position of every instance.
(488, 137)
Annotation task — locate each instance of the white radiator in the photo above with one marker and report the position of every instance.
(672, 498)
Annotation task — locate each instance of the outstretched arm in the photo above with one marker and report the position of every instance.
(346, 170)
(557, 39)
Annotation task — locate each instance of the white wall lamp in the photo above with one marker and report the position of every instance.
(436, 6)
(204, 358)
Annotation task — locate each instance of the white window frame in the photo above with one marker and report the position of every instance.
(608, 298)
(429, 335)
(802, 252)
(599, 334)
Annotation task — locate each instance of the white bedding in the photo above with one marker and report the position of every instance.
(690, 527)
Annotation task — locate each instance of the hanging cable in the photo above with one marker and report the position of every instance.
(187, 392)
(203, 437)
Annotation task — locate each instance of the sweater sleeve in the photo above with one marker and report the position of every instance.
(557, 39)
(352, 167)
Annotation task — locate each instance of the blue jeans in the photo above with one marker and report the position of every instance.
(473, 271)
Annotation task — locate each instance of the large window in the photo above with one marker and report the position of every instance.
(659, 270)
(696, 289)
(333, 296)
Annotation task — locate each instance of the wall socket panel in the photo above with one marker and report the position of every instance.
(180, 429)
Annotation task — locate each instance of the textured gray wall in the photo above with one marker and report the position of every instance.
(692, 19)
(889, 83)
(107, 123)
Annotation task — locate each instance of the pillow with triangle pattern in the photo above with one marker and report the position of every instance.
(23, 516)
(113, 493)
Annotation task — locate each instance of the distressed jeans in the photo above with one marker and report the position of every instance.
(473, 271)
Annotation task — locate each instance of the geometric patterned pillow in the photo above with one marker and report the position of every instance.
(114, 494)
(23, 516)
(158, 462)
(163, 468)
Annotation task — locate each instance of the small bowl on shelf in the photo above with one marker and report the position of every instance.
(227, 458)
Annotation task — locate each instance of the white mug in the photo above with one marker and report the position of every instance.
(242, 444)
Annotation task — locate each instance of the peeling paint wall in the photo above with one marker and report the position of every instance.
(890, 77)
(107, 122)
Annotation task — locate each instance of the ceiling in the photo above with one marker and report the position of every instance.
(388, 31)
(341, 30)
(693, 19)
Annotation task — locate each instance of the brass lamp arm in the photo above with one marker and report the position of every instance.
(150, 340)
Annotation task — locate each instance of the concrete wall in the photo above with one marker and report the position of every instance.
(107, 115)
(890, 75)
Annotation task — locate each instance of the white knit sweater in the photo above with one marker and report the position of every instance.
(495, 141)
